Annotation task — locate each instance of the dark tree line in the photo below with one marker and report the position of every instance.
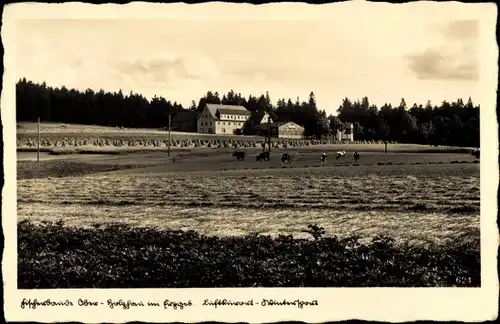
(453, 123)
(90, 107)
(450, 123)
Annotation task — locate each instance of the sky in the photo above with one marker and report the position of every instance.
(336, 52)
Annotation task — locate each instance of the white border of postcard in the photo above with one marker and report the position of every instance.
(378, 304)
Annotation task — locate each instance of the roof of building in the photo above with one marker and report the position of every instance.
(228, 110)
(257, 116)
(279, 124)
(185, 116)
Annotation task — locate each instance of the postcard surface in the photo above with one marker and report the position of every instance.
(231, 162)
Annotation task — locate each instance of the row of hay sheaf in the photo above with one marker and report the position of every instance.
(163, 142)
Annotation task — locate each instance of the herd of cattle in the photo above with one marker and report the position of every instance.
(285, 157)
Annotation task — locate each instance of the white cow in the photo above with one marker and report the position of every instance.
(340, 154)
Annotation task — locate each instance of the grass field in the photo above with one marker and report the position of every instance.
(28, 130)
(428, 203)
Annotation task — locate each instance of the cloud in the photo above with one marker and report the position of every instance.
(167, 70)
(461, 30)
(456, 58)
(444, 64)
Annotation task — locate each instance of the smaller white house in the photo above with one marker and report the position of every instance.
(342, 135)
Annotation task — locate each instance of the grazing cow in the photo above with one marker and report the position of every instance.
(240, 156)
(323, 157)
(356, 156)
(264, 156)
(285, 158)
(339, 154)
(476, 153)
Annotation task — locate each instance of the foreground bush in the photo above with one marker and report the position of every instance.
(54, 256)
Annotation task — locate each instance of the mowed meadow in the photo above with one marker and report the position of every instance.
(200, 218)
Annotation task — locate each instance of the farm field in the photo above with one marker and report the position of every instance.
(426, 201)
(216, 199)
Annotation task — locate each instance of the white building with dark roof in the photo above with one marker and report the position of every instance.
(281, 130)
(222, 119)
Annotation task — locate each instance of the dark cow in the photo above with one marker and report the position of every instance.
(356, 156)
(285, 158)
(264, 156)
(240, 156)
(476, 153)
(323, 157)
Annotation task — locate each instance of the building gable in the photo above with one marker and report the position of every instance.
(265, 119)
(211, 111)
